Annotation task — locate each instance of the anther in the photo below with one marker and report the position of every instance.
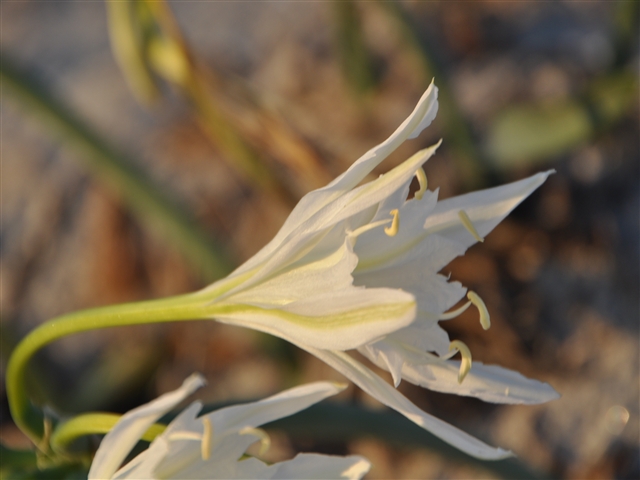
(422, 180)
(466, 221)
(465, 364)
(485, 320)
(207, 434)
(395, 224)
(265, 440)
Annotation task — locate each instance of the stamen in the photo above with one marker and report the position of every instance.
(422, 180)
(265, 440)
(205, 445)
(466, 221)
(465, 365)
(365, 228)
(184, 436)
(455, 313)
(485, 320)
(395, 223)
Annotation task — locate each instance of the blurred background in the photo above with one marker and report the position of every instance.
(148, 148)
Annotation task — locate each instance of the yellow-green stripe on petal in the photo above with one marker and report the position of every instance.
(337, 330)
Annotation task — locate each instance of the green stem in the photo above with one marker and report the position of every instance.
(120, 173)
(91, 424)
(31, 419)
(474, 168)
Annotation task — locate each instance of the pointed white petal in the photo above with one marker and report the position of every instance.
(485, 208)
(424, 112)
(117, 444)
(398, 350)
(165, 448)
(415, 272)
(413, 213)
(339, 320)
(176, 453)
(326, 271)
(412, 241)
(314, 201)
(385, 393)
(384, 354)
(490, 383)
(227, 443)
(424, 335)
(284, 404)
(383, 187)
(315, 466)
(347, 208)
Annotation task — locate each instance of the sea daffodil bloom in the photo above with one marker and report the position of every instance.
(356, 267)
(214, 445)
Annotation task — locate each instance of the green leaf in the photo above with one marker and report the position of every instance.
(119, 172)
(529, 134)
(25, 465)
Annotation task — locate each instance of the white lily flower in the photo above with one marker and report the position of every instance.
(356, 267)
(213, 445)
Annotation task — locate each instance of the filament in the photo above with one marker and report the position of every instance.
(422, 180)
(207, 434)
(265, 440)
(454, 313)
(466, 221)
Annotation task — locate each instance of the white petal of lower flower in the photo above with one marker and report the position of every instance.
(183, 460)
(272, 408)
(314, 466)
(167, 446)
(212, 446)
(386, 394)
(117, 444)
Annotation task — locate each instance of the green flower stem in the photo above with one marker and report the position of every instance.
(120, 173)
(91, 424)
(31, 419)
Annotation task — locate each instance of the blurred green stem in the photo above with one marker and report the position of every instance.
(167, 54)
(354, 55)
(472, 166)
(120, 173)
